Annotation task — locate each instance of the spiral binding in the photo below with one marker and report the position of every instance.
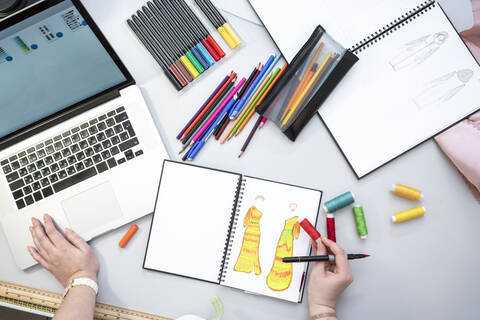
(393, 26)
(232, 228)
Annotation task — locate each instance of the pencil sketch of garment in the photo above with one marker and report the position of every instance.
(444, 88)
(249, 257)
(280, 275)
(417, 51)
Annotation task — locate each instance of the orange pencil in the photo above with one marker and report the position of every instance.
(128, 236)
(192, 125)
(245, 109)
(307, 79)
(252, 112)
(304, 81)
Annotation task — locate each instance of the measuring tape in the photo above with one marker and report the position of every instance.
(46, 302)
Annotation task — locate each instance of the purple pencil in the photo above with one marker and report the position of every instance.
(203, 106)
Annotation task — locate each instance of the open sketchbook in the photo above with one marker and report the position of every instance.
(415, 77)
(231, 229)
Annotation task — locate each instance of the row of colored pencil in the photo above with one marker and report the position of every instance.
(177, 39)
(230, 103)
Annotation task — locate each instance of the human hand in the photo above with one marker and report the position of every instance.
(328, 279)
(66, 258)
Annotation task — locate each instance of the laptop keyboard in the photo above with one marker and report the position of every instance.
(71, 157)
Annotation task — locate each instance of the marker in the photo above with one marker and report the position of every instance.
(126, 238)
(330, 257)
(167, 69)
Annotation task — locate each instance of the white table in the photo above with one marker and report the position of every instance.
(422, 269)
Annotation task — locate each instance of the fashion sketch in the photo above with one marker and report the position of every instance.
(443, 88)
(280, 275)
(418, 51)
(249, 258)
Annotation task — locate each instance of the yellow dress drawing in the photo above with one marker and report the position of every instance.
(249, 257)
(280, 275)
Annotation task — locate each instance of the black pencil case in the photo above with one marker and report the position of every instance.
(308, 80)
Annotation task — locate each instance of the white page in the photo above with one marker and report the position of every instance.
(384, 107)
(347, 21)
(191, 221)
(275, 210)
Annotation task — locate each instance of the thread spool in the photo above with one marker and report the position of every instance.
(407, 192)
(331, 234)
(339, 202)
(408, 215)
(310, 229)
(360, 222)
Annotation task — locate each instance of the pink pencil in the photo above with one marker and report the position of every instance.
(215, 114)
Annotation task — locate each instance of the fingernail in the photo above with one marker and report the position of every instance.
(33, 220)
(45, 216)
(67, 230)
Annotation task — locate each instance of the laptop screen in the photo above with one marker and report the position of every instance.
(49, 62)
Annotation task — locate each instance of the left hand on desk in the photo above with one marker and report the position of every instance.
(66, 258)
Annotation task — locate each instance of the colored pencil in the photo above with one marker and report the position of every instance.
(234, 110)
(168, 42)
(188, 58)
(215, 114)
(230, 78)
(147, 23)
(264, 120)
(278, 73)
(234, 125)
(258, 80)
(250, 136)
(303, 81)
(161, 62)
(160, 50)
(212, 46)
(179, 136)
(307, 88)
(206, 116)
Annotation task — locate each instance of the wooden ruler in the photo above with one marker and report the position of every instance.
(49, 302)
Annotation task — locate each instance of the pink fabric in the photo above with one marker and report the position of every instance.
(461, 143)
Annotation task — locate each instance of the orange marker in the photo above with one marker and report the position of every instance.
(128, 236)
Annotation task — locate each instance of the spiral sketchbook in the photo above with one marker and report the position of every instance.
(231, 229)
(415, 76)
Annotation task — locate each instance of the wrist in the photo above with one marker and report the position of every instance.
(83, 274)
(320, 309)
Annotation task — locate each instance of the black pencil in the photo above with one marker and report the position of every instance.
(329, 257)
(250, 136)
(163, 64)
(204, 118)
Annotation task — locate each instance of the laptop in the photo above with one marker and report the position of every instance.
(77, 140)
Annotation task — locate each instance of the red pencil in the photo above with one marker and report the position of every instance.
(192, 125)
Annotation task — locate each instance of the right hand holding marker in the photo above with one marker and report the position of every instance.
(328, 279)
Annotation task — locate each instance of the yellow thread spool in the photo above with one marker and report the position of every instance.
(232, 34)
(189, 66)
(226, 36)
(408, 215)
(407, 192)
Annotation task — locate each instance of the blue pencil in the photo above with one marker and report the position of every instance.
(258, 80)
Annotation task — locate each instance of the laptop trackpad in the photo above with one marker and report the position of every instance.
(92, 209)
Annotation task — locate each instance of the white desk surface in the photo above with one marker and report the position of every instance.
(422, 269)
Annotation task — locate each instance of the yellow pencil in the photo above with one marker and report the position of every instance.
(310, 84)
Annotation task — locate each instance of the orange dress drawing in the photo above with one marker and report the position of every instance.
(249, 257)
(280, 275)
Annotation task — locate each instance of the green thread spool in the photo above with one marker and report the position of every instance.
(360, 222)
(339, 202)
